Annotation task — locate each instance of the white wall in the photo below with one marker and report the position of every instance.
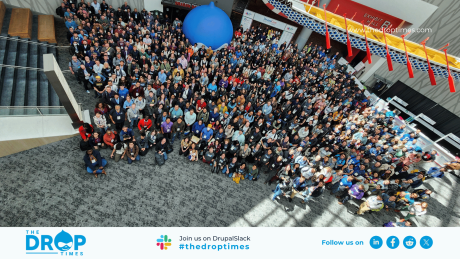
(151, 5)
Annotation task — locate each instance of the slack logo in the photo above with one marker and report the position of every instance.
(392, 242)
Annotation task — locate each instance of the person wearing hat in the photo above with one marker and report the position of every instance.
(206, 134)
(98, 85)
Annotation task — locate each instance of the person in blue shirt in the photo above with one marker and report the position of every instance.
(375, 151)
(389, 114)
(197, 128)
(408, 136)
(267, 108)
(212, 87)
(399, 129)
(162, 76)
(128, 102)
(206, 133)
(276, 90)
(71, 24)
(238, 53)
(298, 185)
(342, 185)
(123, 92)
(175, 112)
(436, 172)
(127, 134)
(359, 170)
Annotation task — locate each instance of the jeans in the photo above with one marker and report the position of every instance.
(174, 136)
(98, 171)
(165, 156)
(250, 177)
(133, 123)
(306, 195)
(103, 130)
(225, 170)
(137, 159)
(277, 192)
(337, 187)
(97, 94)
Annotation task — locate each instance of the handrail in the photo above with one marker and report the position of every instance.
(32, 42)
(21, 67)
(21, 111)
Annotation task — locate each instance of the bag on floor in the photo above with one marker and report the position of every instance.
(85, 145)
(169, 149)
(159, 159)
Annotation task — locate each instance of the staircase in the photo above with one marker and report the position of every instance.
(21, 87)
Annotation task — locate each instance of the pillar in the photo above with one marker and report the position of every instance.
(59, 84)
(302, 39)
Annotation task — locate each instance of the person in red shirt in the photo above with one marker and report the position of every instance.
(86, 130)
(200, 104)
(110, 138)
(237, 34)
(136, 90)
(145, 124)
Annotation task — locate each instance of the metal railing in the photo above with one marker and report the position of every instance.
(32, 111)
(18, 111)
(32, 42)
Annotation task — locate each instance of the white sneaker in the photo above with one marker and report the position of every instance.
(109, 124)
(87, 91)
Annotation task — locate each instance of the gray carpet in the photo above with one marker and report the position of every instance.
(49, 187)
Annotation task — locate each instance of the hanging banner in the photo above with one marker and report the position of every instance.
(246, 23)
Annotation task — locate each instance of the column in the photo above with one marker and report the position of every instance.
(303, 37)
(59, 84)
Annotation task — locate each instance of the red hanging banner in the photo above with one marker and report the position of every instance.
(409, 67)
(451, 79)
(350, 51)
(367, 44)
(389, 61)
(328, 41)
(430, 70)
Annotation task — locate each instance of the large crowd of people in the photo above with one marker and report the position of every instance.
(255, 110)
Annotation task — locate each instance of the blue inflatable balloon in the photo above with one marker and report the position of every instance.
(209, 25)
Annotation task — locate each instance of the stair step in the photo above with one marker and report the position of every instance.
(9, 73)
(21, 76)
(35, 27)
(54, 99)
(3, 50)
(32, 83)
(6, 22)
(43, 91)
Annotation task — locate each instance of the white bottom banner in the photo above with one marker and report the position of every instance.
(89, 243)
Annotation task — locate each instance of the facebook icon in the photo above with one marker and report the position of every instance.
(376, 242)
(392, 242)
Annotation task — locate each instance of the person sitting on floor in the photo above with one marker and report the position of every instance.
(94, 162)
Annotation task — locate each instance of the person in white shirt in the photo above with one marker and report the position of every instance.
(373, 203)
(416, 209)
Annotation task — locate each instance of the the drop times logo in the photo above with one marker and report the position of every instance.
(63, 243)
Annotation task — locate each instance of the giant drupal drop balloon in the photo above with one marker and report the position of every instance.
(208, 25)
